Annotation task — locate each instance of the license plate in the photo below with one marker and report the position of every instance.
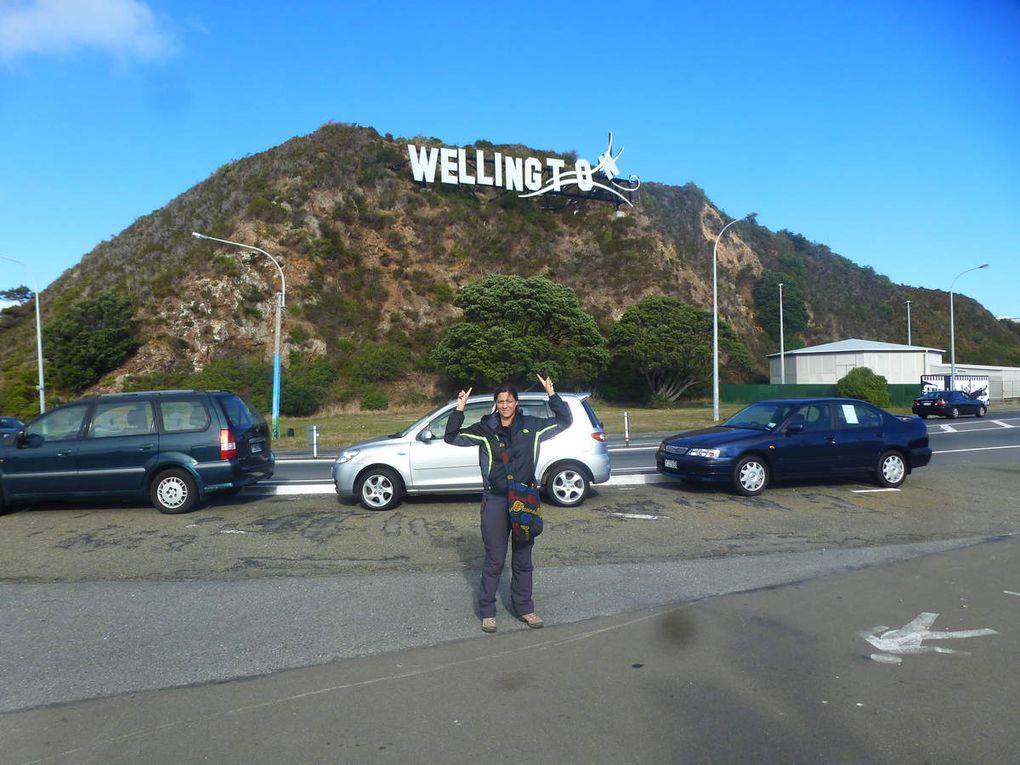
(671, 464)
(255, 448)
(926, 403)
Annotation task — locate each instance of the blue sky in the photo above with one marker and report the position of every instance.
(888, 131)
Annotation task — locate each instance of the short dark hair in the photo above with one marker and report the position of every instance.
(506, 388)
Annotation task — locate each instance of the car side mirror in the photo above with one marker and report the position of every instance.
(427, 435)
(796, 426)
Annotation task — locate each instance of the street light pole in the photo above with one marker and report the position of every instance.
(41, 387)
(908, 322)
(279, 310)
(782, 345)
(715, 315)
(952, 327)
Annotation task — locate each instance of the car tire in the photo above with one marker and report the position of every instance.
(891, 470)
(750, 476)
(567, 485)
(981, 411)
(953, 413)
(174, 491)
(379, 488)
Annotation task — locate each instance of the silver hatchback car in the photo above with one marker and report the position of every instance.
(378, 473)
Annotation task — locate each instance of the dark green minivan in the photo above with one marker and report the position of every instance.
(176, 447)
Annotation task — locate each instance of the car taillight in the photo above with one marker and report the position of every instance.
(940, 402)
(598, 435)
(228, 448)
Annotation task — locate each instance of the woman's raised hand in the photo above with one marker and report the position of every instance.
(547, 383)
(462, 398)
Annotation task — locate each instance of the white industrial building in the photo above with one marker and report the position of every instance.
(899, 364)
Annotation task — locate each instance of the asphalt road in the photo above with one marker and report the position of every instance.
(264, 627)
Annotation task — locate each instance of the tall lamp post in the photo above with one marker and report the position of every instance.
(782, 345)
(715, 314)
(279, 309)
(41, 387)
(907, 302)
(952, 327)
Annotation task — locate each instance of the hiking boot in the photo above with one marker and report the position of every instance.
(533, 620)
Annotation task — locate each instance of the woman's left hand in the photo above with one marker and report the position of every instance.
(547, 383)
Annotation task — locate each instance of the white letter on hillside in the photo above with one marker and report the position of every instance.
(448, 165)
(555, 165)
(462, 168)
(584, 181)
(483, 179)
(423, 163)
(532, 174)
(514, 174)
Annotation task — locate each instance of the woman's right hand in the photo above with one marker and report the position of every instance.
(462, 398)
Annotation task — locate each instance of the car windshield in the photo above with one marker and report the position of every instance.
(932, 395)
(765, 415)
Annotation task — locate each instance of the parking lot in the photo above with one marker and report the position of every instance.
(294, 535)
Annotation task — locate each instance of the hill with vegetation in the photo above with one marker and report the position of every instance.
(374, 262)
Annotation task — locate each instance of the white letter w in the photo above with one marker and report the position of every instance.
(423, 162)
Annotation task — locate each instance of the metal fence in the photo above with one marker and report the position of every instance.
(899, 395)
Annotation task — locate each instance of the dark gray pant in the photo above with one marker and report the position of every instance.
(496, 538)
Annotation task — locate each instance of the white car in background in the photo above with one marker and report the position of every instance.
(380, 472)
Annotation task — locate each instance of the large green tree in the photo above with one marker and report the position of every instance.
(94, 337)
(668, 343)
(795, 313)
(514, 328)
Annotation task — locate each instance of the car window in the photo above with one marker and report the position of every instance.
(816, 417)
(850, 416)
(59, 424)
(592, 417)
(122, 418)
(239, 414)
(472, 413)
(535, 409)
(760, 416)
(184, 415)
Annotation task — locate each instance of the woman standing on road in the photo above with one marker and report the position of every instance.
(508, 444)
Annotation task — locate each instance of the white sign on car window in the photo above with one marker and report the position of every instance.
(850, 414)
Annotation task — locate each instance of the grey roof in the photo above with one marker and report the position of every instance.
(854, 345)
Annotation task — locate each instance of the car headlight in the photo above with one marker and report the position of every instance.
(710, 453)
(347, 455)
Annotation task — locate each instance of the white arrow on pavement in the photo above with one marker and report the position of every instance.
(910, 638)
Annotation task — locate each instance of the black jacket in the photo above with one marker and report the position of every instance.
(501, 458)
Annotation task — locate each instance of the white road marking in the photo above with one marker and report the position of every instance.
(948, 428)
(1010, 592)
(910, 638)
(638, 516)
(870, 491)
(976, 449)
(1002, 424)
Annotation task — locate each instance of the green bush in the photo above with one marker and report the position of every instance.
(375, 402)
(864, 384)
(299, 400)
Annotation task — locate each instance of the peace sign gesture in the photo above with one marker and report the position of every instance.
(547, 383)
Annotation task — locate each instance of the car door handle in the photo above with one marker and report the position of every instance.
(830, 440)
(65, 452)
(146, 447)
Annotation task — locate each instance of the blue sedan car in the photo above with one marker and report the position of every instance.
(820, 437)
(10, 425)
